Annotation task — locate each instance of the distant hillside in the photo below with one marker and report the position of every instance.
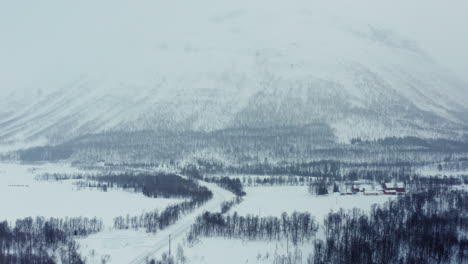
(246, 68)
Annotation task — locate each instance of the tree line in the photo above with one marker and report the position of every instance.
(42, 240)
(155, 221)
(296, 227)
(423, 227)
(321, 187)
(155, 185)
(226, 206)
(232, 185)
(283, 180)
(165, 185)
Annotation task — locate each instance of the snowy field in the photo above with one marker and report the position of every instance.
(273, 201)
(34, 197)
(235, 251)
(136, 246)
(63, 198)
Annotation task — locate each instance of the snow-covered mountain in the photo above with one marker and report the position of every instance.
(245, 65)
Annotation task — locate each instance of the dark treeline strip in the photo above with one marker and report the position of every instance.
(296, 227)
(228, 205)
(316, 183)
(321, 187)
(249, 148)
(60, 177)
(289, 180)
(426, 227)
(232, 185)
(427, 144)
(152, 146)
(156, 185)
(154, 221)
(424, 183)
(297, 173)
(322, 168)
(415, 183)
(41, 241)
(315, 170)
(160, 185)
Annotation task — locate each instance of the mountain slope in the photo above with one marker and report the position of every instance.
(250, 66)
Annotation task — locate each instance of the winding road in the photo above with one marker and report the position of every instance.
(180, 229)
(137, 247)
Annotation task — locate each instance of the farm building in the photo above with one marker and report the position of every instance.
(365, 187)
(394, 188)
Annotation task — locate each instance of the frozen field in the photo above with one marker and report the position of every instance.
(273, 201)
(30, 197)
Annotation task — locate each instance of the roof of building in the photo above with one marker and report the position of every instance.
(395, 185)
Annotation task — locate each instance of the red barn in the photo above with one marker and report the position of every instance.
(394, 188)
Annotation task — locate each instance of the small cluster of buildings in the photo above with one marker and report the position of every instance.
(391, 188)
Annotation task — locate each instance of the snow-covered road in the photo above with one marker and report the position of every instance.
(130, 246)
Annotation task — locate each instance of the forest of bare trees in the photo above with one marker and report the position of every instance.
(157, 185)
(297, 227)
(424, 227)
(44, 241)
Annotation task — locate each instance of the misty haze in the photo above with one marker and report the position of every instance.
(248, 131)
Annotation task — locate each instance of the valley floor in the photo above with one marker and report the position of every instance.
(25, 196)
(30, 197)
(130, 246)
(273, 201)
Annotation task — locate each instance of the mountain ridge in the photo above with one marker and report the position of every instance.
(362, 80)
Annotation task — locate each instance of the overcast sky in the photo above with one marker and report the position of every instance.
(43, 43)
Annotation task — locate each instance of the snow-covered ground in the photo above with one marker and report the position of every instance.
(130, 246)
(15, 173)
(222, 63)
(62, 198)
(30, 197)
(273, 201)
(235, 251)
